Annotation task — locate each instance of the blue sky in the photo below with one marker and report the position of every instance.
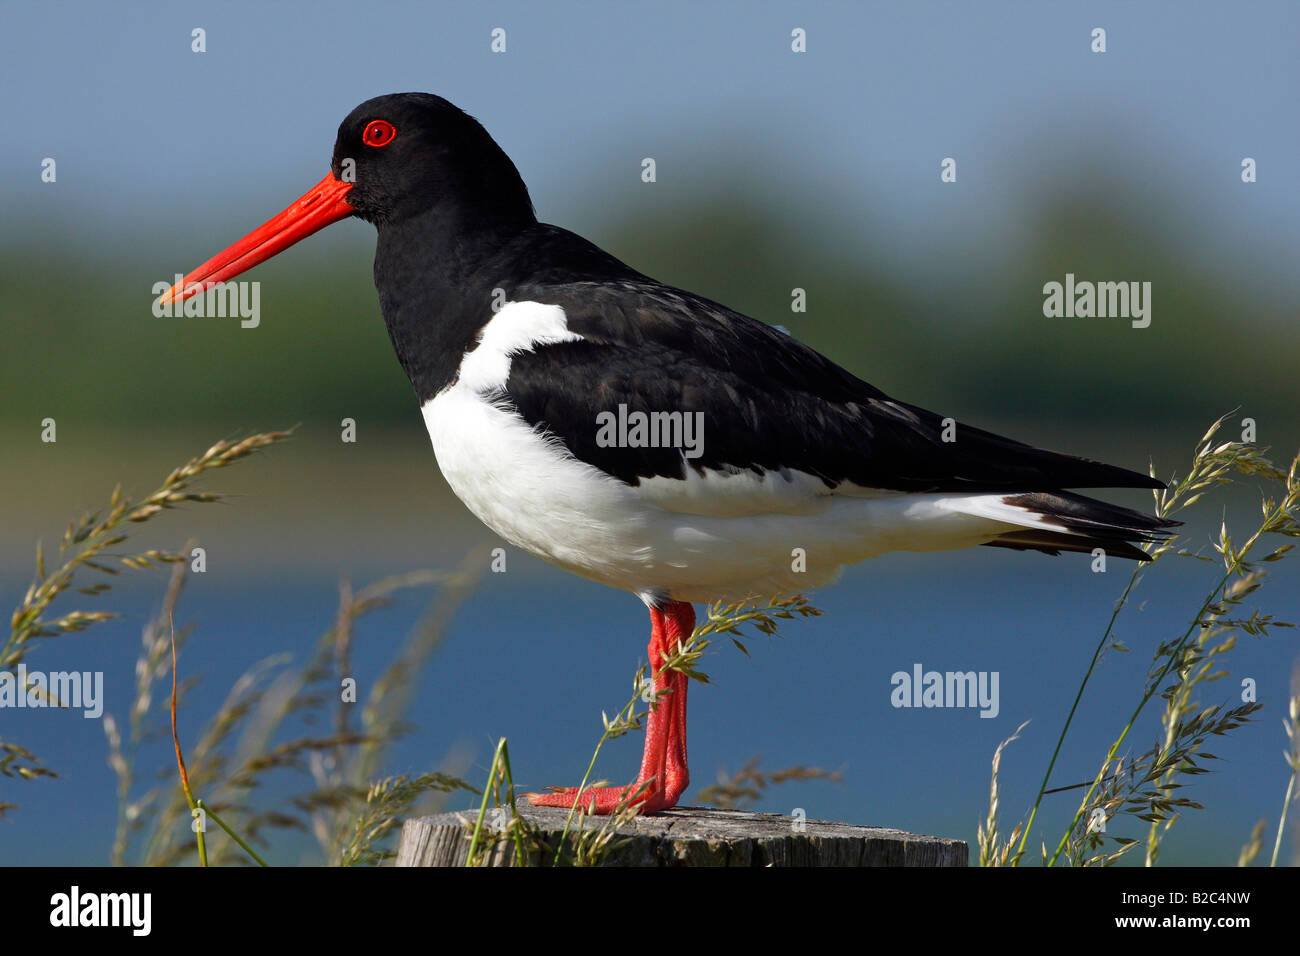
(153, 137)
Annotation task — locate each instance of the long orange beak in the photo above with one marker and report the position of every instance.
(321, 205)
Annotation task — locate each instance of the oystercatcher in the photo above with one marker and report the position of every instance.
(643, 436)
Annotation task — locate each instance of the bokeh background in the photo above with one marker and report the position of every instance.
(776, 170)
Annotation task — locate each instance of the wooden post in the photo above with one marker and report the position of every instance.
(684, 836)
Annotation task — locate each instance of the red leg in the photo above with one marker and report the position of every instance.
(679, 774)
(664, 775)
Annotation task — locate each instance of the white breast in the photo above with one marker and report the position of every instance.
(525, 486)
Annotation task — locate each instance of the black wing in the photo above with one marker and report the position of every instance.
(769, 402)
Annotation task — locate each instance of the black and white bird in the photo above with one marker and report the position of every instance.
(645, 437)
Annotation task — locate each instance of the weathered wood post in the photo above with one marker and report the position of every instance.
(685, 836)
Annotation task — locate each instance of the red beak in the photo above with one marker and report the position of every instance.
(321, 205)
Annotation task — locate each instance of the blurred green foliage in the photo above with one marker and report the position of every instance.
(80, 341)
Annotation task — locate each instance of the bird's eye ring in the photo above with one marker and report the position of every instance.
(378, 133)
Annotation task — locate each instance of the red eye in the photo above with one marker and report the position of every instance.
(378, 133)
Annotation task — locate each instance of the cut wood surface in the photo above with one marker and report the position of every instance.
(684, 836)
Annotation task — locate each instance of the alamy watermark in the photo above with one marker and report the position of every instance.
(624, 429)
(922, 688)
(131, 911)
(78, 689)
(1102, 300)
(219, 301)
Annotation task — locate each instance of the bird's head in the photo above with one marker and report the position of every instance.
(396, 157)
(408, 153)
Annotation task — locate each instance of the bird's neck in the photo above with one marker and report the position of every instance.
(435, 281)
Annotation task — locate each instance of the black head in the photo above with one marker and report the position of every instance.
(446, 201)
(411, 153)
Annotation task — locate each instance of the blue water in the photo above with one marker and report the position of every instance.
(535, 655)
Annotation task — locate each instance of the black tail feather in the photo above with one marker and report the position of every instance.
(1089, 524)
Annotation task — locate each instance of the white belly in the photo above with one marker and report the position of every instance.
(536, 496)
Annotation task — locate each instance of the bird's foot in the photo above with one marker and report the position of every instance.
(603, 801)
(664, 776)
